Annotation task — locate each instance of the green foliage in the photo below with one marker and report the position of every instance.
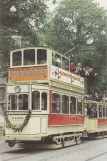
(81, 24)
(27, 22)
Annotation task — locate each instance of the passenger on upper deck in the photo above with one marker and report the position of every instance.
(78, 68)
(72, 68)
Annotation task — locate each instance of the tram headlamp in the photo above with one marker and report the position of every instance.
(17, 89)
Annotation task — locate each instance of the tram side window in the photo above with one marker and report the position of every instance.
(100, 111)
(106, 111)
(29, 57)
(41, 56)
(72, 105)
(65, 104)
(12, 102)
(79, 106)
(44, 101)
(56, 60)
(23, 102)
(65, 64)
(35, 100)
(17, 58)
(56, 103)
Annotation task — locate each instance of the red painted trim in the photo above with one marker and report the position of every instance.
(102, 122)
(50, 102)
(61, 119)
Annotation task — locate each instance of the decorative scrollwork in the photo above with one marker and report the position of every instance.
(16, 128)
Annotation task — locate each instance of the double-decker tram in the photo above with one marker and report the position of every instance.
(45, 100)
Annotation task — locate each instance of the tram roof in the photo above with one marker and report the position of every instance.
(42, 47)
(91, 101)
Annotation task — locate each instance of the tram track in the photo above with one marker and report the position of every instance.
(19, 152)
(97, 156)
(47, 155)
(21, 157)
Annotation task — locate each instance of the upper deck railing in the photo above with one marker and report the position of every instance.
(41, 64)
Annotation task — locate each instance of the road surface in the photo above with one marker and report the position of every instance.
(91, 150)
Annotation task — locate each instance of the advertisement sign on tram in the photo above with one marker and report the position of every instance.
(28, 73)
(67, 77)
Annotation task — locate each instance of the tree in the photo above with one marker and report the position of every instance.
(26, 22)
(82, 25)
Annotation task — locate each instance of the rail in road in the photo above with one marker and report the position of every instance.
(87, 151)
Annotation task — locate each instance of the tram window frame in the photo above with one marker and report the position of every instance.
(43, 61)
(29, 53)
(56, 104)
(104, 111)
(16, 104)
(72, 99)
(56, 63)
(100, 107)
(23, 100)
(78, 106)
(65, 65)
(15, 62)
(9, 102)
(36, 104)
(65, 104)
(45, 102)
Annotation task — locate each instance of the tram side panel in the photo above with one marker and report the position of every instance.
(95, 125)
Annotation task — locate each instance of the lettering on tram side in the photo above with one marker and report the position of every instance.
(62, 87)
(65, 76)
(28, 73)
(17, 117)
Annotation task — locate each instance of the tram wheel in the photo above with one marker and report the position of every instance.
(11, 143)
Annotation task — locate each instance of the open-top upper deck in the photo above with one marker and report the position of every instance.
(41, 65)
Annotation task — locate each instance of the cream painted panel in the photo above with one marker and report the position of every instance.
(43, 124)
(33, 126)
(41, 87)
(91, 124)
(64, 129)
(24, 88)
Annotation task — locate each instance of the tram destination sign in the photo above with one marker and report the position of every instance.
(67, 77)
(28, 73)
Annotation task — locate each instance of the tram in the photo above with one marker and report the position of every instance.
(45, 101)
(96, 120)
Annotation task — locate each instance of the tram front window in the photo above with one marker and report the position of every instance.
(18, 102)
(79, 106)
(12, 102)
(23, 102)
(41, 56)
(29, 57)
(17, 58)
